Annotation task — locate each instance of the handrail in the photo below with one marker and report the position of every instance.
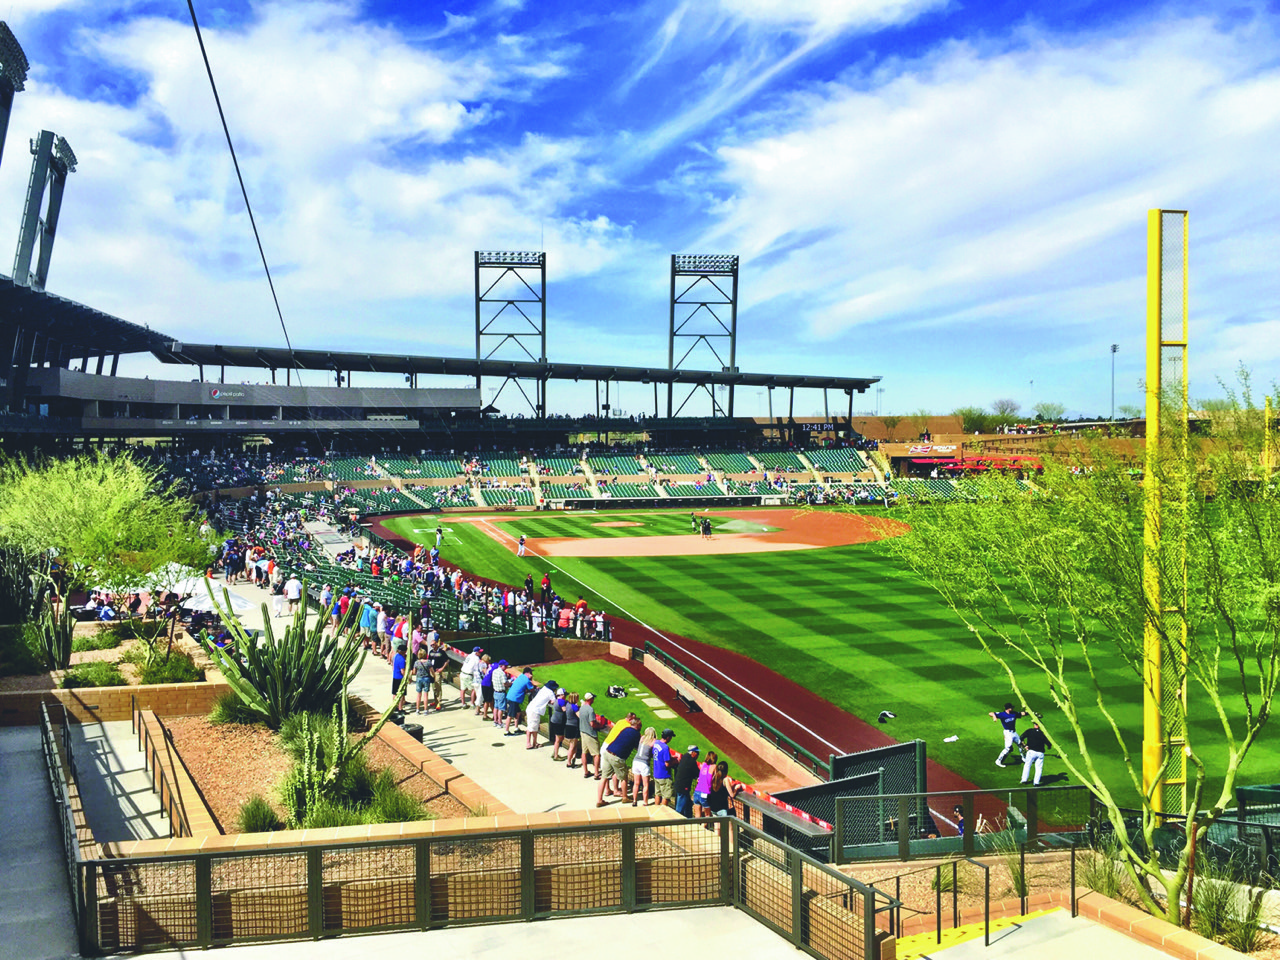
(170, 798)
(817, 766)
(61, 777)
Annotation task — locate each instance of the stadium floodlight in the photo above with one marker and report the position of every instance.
(1115, 348)
(717, 264)
(63, 153)
(13, 62)
(510, 258)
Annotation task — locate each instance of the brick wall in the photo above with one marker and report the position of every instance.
(112, 703)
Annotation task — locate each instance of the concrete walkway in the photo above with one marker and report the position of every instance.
(36, 921)
(115, 785)
(525, 780)
(1055, 936)
(637, 936)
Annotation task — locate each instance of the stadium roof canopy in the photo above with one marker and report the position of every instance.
(83, 330)
(279, 358)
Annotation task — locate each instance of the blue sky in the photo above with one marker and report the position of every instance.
(950, 195)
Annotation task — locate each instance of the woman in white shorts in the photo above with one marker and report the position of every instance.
(642, 768)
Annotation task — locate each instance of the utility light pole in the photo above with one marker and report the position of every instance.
(1115, 348)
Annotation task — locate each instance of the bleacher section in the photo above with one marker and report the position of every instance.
(559, 466)
(399, 467)
(730, 462)
(628, 490)
(775, 460)
(802, 492)
(925, 489)
(837, 460)
(447, 611)
(433, 468)
(694, 490)
(455, 496)
(563, 491)
(752, 488)
(497, 467)
(614, 466)
(507, 496)
(380, 501)
(677, 463)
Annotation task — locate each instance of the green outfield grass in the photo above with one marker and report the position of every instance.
(855, 627)
(597, 676)
(647, 524)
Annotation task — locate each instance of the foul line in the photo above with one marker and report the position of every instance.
(657, 633)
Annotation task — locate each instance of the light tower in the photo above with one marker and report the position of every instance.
(13, 77)
(511, 313)
(52, 160)
(704, 310)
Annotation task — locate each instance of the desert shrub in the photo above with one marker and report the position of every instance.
(97, 674)
(1223, 910)
(331, 813)
(103, 639)
(1102, 870)
(229, 708)
(20, 652)
(178, 667)
(1005, 845)
(391, 804)
(257, 816)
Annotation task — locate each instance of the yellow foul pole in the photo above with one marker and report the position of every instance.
(1164, 529)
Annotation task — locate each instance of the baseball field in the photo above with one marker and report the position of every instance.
(846, 622)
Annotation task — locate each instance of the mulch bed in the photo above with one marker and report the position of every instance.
(229, 763)
(414, 782)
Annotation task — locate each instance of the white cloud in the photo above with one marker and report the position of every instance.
(826, 15)
(355, 148)
(952, 191)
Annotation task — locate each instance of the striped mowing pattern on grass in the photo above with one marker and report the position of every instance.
(856, 628)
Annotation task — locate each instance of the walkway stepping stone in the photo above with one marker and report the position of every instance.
(664, 714)
(652, 702)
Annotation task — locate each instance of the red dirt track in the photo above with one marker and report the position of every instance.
(815, 724)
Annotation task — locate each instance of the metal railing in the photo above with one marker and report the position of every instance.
(203, 899)
(171, 800)
(819, 767)
(62, 774)
(909, 826)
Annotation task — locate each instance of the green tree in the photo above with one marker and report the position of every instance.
(920, 420)
(890, 425)
(92, 520)
(972, 419)
(1051, 586)
(1048, 411)
(1004, 412)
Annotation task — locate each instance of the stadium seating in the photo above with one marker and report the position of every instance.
(433, 468)
(694, 490)
(349, 468)
(559, 466)
(628, 490)
(751, 488)
(614, 466)
(776, 460)
(564, 491)
(455, 496)
(837, 460)
(678, 463)
(497, 466)
(802, 492)
(924, 488)
(507, 496)
(399, 467)
(730, 462)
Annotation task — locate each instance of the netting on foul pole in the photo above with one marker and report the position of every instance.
(1165, 482)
